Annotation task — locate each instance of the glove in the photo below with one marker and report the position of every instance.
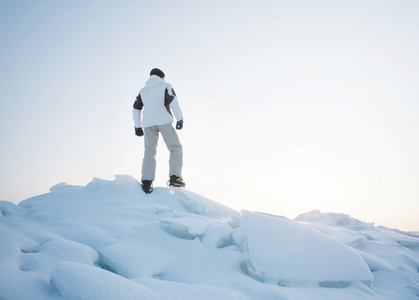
(139, 131)
(179, 125)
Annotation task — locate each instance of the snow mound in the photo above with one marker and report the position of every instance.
(80, 281)
(316, 216)
(185, 228)
(197, 204)
(290, 253)
(109, 240)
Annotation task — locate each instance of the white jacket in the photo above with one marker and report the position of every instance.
(155, 103)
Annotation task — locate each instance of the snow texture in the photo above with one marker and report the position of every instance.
(109, 240)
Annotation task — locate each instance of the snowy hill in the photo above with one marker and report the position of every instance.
(108, 240)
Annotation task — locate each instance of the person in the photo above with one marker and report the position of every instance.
(153, 112)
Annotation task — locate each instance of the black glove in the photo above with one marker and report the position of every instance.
(179, 125)
(139, 131)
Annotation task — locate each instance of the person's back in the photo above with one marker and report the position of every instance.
(155, 97)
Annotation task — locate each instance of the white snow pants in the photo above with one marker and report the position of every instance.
(170, 137)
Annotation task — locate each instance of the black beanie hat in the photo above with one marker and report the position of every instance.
(157, 72)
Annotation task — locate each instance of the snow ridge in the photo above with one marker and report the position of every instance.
(108, 240)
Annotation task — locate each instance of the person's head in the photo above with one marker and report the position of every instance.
(157, 72)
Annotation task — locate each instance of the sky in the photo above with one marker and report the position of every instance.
(289, 106)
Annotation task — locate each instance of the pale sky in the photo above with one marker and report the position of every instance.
(289, 106)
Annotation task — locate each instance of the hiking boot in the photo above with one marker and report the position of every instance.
(147, 186)
(176, 181)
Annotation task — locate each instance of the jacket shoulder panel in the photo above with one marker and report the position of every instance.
(138, 104)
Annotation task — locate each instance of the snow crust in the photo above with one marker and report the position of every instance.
(305, 258)
(108, 240)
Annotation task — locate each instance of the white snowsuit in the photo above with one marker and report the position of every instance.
(153, 111)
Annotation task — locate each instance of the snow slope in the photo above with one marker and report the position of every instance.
(108, 240)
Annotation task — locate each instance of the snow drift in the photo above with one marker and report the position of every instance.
(108, 240)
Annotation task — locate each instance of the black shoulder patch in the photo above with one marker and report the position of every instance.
(167, 100)
(138, 104)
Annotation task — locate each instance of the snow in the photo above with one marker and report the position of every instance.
(109, 240)
(307, 258)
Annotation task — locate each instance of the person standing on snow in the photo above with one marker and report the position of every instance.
(153, 110)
